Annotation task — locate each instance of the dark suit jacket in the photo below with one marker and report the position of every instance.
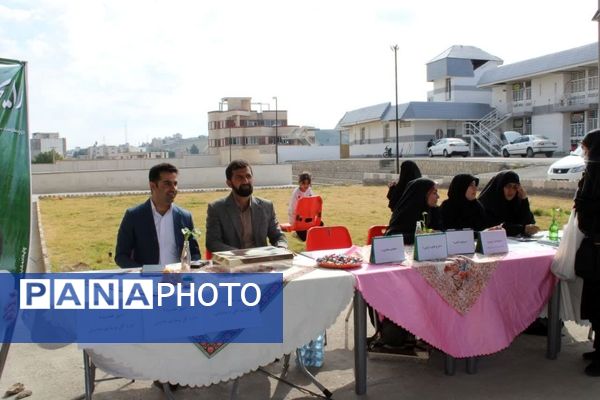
(137, 241)
(224, 224)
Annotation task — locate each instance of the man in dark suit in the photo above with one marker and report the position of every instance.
(240, 220)
(150, 233)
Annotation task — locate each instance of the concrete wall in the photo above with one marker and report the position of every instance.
(137, 179)
(551, 126)
(307, 153)
(99, 165)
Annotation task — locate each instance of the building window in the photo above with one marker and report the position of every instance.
(592, 120)
(386, 133)
(439, 133)
(362, 135)
(521, 91)
(448, 89)
(404, 124)
(450, 132)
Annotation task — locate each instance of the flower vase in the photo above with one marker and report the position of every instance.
(186, 257)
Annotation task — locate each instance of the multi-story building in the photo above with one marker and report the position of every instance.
(476, 97)
(555, 95)
(42, 142)
(455, 99)
(238, 131)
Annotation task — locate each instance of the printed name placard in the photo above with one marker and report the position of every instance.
(387, 249)
(492, 242)
(460, 242)
(430, 247)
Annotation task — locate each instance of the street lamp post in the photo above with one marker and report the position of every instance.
(277, 133)
(395, 48)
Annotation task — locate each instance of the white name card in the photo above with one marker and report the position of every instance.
(430, 247)
(492, 242)
(460, 242)
(387, 249)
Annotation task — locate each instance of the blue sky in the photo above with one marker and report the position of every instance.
(109, 70)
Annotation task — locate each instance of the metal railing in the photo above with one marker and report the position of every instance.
(482, 132)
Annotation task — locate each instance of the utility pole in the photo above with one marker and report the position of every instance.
(395, 48)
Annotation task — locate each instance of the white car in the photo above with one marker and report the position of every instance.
(529, 146)
(569, 168)
(448, 147)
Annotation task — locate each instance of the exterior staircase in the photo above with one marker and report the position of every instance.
(481, 133)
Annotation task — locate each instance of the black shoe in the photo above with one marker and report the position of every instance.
(539, 327)
(591, 355)
(593, 369)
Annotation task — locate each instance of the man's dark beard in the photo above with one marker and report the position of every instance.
(243, 190)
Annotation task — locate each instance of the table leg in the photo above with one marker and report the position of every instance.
(360, 344)
(554, 328)
(88, 378)
(449, 364)
(471, 365)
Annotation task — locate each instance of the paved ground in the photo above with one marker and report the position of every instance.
(519, 372)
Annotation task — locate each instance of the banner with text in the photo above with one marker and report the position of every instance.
(128, 307)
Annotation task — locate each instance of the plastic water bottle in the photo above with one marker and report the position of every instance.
(553, 230)
(313, 353)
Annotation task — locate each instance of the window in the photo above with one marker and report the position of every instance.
(386, 133)
(439, 133)
(451, 132)
(362, 135)
(448, 89)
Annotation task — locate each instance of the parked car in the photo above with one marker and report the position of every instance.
(530, 145)
(448, 147)
(569, 168)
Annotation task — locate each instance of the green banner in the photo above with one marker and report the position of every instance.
(15, 187)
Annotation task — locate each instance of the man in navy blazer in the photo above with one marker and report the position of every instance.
(240, 220)
(150, 233)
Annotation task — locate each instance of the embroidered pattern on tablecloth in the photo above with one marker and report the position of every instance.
(211, 345)
(459, 280)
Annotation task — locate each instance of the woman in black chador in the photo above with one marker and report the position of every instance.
(408, 172)
(462, 209)
(587, 204)
(420, 196)
(505, 203)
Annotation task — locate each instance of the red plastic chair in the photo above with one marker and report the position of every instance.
(374, 231)
(327, 237)
(308, 214)
(207, 254)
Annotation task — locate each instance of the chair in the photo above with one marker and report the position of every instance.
(207, 254)
(308, 214)
(327, 237)
(374, 231)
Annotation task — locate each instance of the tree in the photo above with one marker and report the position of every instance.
(47, 157)
(194, 149)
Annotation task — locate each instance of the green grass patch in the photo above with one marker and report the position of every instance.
(81, 232)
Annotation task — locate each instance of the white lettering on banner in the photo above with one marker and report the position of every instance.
(136, 294)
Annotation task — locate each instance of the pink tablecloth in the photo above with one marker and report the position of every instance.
(511, 300)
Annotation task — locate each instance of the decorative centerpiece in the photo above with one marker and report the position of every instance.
(186, 256)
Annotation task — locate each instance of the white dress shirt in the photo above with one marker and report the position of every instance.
(165, 231)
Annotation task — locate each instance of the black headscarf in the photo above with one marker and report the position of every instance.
(410, 209)
(513, 214)
(457, 211)
(408, 171)
(587, 199)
